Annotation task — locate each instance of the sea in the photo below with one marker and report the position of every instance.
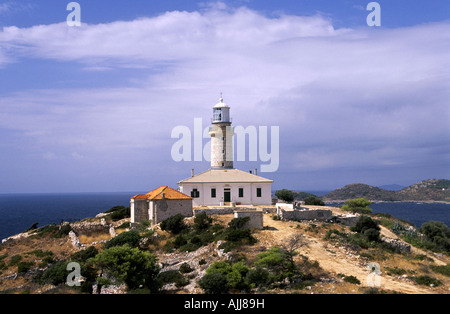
(18, 212)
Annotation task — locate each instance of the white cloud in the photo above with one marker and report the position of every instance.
(341, 96)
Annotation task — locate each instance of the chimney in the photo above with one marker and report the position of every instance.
(256, 171)
(192, 173)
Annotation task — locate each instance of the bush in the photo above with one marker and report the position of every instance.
(438, 233)
(15, 260)
(368, 228)
(443, 270)
(23, 267)
(285, 195)
(236, 234)
(174, 224)
(426, 281)
(63, 231)
(214, 283)
(352, 279)
(185, 268)
(84, 255)
(56, 274)
(172, 276)
(257, 277)
(132, 238)
(277, 261)
(313, 200)
(202, 222)
(129, 265)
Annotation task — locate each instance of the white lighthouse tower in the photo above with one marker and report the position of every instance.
(221, 134)
(224, 185)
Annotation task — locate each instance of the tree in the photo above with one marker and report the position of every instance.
(358, 205)
(313, 200)
(129, 265)
(285, 195)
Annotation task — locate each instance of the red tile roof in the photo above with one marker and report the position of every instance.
(157, 194)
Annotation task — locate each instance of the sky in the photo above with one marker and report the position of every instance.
(92, 108)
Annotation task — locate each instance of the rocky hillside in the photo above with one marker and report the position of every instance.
(427, 190)
(326, 257)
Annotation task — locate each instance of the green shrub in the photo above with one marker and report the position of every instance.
(185, 268)
(426, 281)
(56, 274)
(129, 265)
(174, 224)
(202, 222)
(40, 253)
(172, 276)
(23, 267)
(117, 213)
(84, 255)
(257, 277)
(236, 278)
(132, 238)
(15, 260)
(395, 271)
(214, 283)
(368, 228)
(443, 270)
(313, 200)
(352, 279)
(277, 261)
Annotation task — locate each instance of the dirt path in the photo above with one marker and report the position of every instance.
(330, 258)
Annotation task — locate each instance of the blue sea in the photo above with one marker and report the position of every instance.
(19, 211)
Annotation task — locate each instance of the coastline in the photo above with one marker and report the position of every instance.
(383, 201)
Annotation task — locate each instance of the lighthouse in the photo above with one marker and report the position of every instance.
(221, 133)
(222, 184)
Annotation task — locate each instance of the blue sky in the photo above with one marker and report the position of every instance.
(91, 108)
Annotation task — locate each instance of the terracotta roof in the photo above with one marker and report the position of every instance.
(226, 176)
(157, 194)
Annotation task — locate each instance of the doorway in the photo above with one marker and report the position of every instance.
(227, 195)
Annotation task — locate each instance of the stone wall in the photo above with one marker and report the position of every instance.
(256, 218)
(305, 214)
(139, 210)
(164, 209)
(230, 210)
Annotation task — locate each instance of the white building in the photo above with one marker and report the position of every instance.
(222, 184)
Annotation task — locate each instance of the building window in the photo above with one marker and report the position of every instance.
(213, 193)
(241, 192)
(258, 192)
(195, 193)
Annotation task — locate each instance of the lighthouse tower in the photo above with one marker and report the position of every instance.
(221, 134)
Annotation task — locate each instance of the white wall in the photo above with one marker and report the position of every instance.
(250, 193)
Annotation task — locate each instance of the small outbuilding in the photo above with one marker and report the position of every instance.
(160, 204)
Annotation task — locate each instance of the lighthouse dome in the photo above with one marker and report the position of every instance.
(221, 104)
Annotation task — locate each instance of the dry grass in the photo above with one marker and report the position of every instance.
(88, 239)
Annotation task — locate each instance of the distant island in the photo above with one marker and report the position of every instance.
(432, 190)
